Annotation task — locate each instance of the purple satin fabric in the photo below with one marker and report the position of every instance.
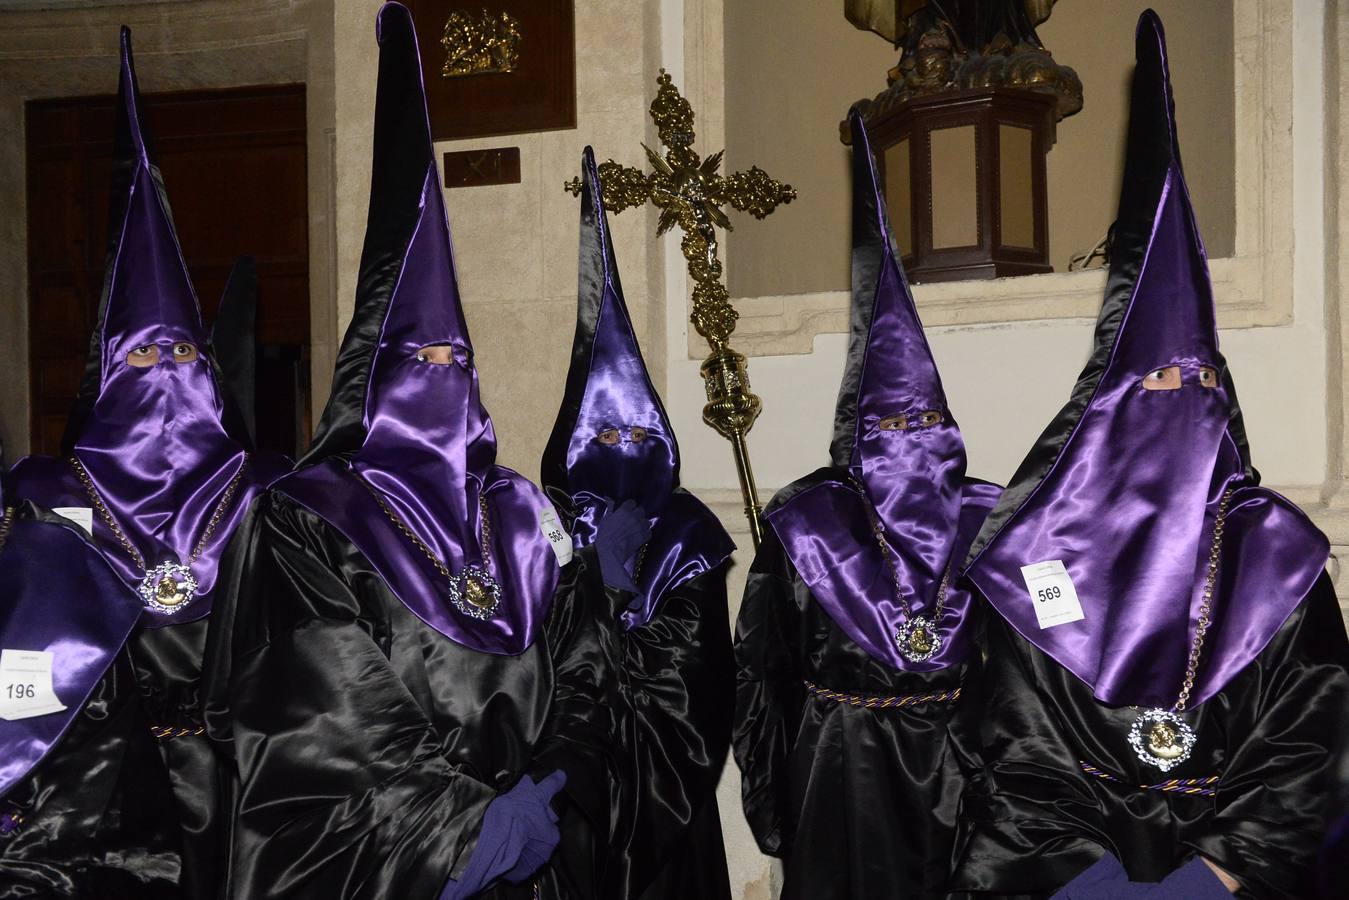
(609, 387)
(528, 576)
(687, 540)
(153, 444)
(428, 446)
(914, 478)
(421, 418)
(850, 579)
(1129, 503)
(50, 482)
(58, 595)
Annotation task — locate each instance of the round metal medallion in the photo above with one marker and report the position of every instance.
(168, 587)
(917, 639)
(475, 593)
(1161, 738)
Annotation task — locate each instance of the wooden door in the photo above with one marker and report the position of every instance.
(235, 168)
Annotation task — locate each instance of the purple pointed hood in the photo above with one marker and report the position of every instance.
(609, 392)
(415, 431)
(151, 439)
(1124, 486)
(911, 470)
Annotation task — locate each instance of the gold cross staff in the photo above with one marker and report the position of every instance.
(690, 193)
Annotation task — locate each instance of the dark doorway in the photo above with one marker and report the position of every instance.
(235, 168)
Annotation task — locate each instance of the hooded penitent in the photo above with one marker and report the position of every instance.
(1125, 485)
(150, 439)
(612, 442)
(405, 453)
(905, 470)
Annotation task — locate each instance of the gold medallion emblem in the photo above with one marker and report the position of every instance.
(168, 587)
(1164, 742)
(1161, 738)
(476, 593)
(169, 592)
(920, 641)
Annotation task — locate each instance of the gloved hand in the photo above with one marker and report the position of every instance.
(618, 537)
(519, 833)
(1107, 880)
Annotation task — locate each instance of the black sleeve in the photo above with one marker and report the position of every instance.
(579, 737)
(678, 708)
(342, 789)
(769, 696)
(1271, 807)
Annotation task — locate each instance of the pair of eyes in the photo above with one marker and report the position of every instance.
(611, 436)
(147, 356)
(925, 419)
(1168, 378)
(437, 354)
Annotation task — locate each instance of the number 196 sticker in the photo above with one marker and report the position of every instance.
(1052, 593)
(26, 684)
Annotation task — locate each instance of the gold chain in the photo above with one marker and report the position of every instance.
(484, 535)
(878, 529)
(5, 523)
(106, 515)
(1206, 605)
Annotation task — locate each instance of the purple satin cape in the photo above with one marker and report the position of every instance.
(417, 432)
(608, 388)
(331, 491)
(57, 594)
(848, 577)
(913, 478)
(152, 439)
(1124, 485)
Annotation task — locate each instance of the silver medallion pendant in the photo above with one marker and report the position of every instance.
(168, 587)
(917, 639)
(475, 593)
(1161, 738)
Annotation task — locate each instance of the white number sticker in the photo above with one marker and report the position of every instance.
(1052, 593)
(552, 529)
(82, 516)
(26, 684)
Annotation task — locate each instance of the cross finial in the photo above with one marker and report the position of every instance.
(690, 193)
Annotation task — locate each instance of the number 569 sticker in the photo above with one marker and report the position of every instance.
(26, 684)
(1052, 593)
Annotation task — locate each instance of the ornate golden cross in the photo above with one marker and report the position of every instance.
(690, 193)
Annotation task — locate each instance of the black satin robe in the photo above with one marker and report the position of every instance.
(856, 802)
(367, 745)
(1032, 818)
(98, 812)
(674, 716)
(167, 663)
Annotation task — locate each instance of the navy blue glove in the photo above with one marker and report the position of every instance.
(618, 537)
(1107, 880)
(518, 835)
(1192, 881)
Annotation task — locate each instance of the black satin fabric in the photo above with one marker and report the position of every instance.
(167, 663)
(98, 813)
(366, 745)
(674, 712)
(857, 803)
(1032, 819)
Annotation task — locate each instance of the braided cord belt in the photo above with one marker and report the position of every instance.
(169, 732)
(877, 701)
(1199, 787)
